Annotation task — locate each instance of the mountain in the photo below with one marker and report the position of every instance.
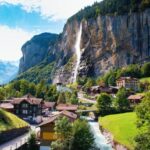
(108, 35)
(35, 50)
(8, 71)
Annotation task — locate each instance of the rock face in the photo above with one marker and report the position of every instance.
(107, 42)
(115, 41)
(35, 50)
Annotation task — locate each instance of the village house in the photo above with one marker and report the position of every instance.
(128, 83)
(31, 108)
(47, 133)
(135, 99)
(103, 89)
(27, 107)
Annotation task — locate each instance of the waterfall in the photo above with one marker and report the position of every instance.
(78, 53)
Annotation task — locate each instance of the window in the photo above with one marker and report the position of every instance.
(17, 111)
(25, 105)
(25, 112)
(34, 108)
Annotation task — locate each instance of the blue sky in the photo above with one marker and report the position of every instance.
(21, 19)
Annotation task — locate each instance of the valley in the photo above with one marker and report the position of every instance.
(86, 88)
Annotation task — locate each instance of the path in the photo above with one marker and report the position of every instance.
(80, 96)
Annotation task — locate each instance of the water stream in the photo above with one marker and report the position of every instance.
(100, 140)
(78, 53)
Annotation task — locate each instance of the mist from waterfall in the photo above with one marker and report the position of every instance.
(78, 53)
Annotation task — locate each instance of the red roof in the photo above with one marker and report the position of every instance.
(68, 107)
(6, 106)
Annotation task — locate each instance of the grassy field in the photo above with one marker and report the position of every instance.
(10, 121)
(145, 79)
(122, 126)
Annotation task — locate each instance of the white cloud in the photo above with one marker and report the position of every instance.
(53, 9)
(11, 41)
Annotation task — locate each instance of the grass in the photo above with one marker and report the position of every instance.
(10, 121)
(122, 127)
(147, 79)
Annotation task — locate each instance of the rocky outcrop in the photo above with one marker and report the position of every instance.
(107, 42)
(115, 41)
(36, 50)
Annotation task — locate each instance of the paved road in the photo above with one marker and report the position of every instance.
(15, 143)
(80, 96)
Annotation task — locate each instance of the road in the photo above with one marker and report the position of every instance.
(80, 96)
(15, 143)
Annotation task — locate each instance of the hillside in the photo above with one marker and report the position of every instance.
(122, 126)
(113, 34)
(10, 121)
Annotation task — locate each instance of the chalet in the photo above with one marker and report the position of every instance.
(27, 106)
(103, 89)
(47, 133)
(135, 99)
(67, 107)
(128, 83)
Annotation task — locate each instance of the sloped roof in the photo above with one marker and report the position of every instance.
(48, 104)
(61, 107)
(30, 99)
(6, 106)
(49, 120)
(53, 118)
(135, 97)
(69, 114)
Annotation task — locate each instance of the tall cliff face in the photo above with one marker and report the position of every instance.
(115, 41)
(107, 42)
(35, 50)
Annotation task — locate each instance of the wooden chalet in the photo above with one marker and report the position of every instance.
(103, 89)
(47, 133)
(27, 106)
(135, 99)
